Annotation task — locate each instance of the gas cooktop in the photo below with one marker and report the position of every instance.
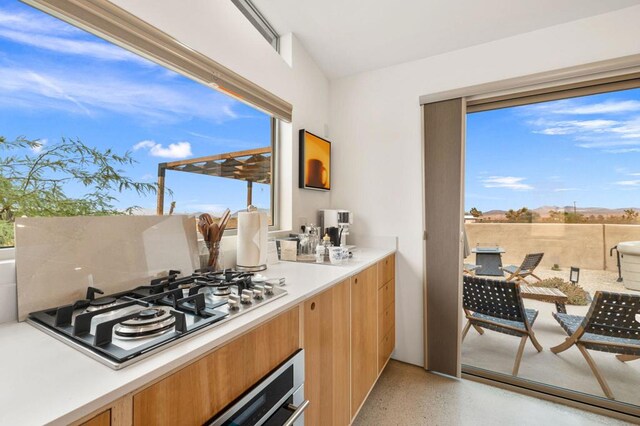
(121, 328)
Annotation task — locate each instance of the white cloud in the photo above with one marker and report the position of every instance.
(509, 182)
(569, 127)
(174, 150)
(147, 177)
(40, 143)
(606, 107)
(628, 183)
(566, 189)
(69, 90)
(607, 143)
(44, 32)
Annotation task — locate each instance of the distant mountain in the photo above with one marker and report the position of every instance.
(543, 211)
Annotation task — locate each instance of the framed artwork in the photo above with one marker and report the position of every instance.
(315, 162)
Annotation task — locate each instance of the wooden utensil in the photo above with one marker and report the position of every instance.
(215, 232)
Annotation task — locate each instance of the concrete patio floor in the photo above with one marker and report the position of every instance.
(496, 351)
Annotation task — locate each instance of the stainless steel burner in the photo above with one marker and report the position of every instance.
(222, 291)
(101, 303)
(148, 322)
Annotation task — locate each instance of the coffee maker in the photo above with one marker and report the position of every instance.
(340, 219)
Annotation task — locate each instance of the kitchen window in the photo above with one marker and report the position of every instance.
(86, 123)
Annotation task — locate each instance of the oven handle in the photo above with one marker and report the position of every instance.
(297, 412)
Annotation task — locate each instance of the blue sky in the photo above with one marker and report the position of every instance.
(583, 149)
(59, 81)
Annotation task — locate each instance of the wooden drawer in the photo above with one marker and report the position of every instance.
(102, 419)
(200, 390)
(386, 320)
(386, 346)
(386, 270)
(387, 294)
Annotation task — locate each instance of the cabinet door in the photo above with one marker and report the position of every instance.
(386, 322)
(197, 392)
(386, 270)
(326, 345)
(364, 335)
(102, 419)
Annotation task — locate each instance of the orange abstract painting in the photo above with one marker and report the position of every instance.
(315, 161)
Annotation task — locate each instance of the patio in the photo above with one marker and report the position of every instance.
(496, 352)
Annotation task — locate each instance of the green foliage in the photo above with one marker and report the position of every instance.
(6, 233)
(475, 212)
(33, 178)
(630, 215)
(523, 215)
(576, 294)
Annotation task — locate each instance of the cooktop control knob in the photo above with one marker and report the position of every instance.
(268, 289)
(234, 302)
(258, 292)
(246, 297)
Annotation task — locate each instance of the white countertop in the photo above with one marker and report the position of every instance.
(44, 381)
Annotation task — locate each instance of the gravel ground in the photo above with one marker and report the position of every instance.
(590, 279)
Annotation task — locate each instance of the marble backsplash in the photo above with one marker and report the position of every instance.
(58, 258)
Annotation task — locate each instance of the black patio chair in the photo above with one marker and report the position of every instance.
(497, 305)
(526, 268)
(611, 325)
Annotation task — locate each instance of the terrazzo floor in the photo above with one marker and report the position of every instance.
(408, 395)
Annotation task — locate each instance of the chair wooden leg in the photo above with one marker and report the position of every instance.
(536, 277)
(477, 328)
(563, 346)
(596, 372)
(626, 358)
(465, 330)
(535, 342)
(516, 365)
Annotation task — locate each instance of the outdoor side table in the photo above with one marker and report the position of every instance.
(490, 260)
(545, 294)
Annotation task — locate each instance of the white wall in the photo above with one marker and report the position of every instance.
(375, 124)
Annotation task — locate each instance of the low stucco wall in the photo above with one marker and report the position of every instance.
(582, 245)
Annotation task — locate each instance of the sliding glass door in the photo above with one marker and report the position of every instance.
(551, 293)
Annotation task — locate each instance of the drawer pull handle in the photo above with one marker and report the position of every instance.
(297, 412)
(313, 306)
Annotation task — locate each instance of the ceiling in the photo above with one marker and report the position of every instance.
(348, 37)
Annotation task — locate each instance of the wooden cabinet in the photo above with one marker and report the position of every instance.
(348, 333)
(102, 419)
(386, 270)
(364, 335)
(386, 322)
(327, 350)
(198, 391)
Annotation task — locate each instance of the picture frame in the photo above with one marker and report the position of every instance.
(315, 162)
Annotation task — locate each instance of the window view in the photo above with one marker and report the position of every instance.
(553, 206)
(84, 125)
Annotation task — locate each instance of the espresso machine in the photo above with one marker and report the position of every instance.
(336, 224)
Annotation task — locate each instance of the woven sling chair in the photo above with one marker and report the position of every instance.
(611, 325)
(497, 305)
(529, 264)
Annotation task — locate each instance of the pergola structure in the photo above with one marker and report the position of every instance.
(252, 165)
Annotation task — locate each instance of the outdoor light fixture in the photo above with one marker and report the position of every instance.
(574, 275)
